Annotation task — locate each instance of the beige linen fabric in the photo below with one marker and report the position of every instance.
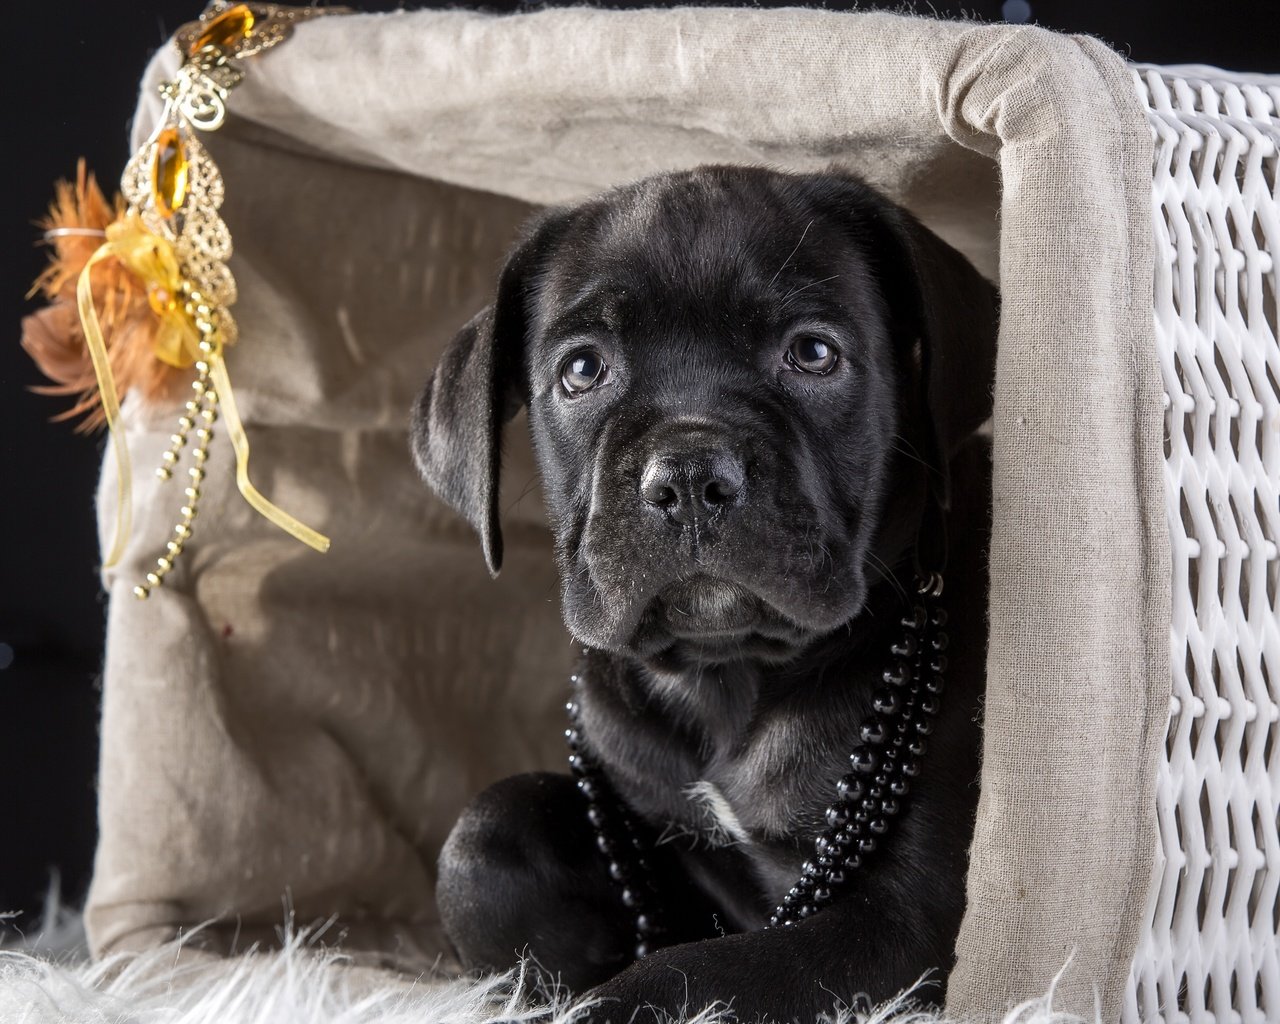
(277, 721)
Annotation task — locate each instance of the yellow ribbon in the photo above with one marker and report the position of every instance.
(111, 409)
(110, 404)
(153, 261)
(240, 442)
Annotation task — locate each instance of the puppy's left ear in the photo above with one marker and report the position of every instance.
(939, 306)
(477, 386)
(939, 302)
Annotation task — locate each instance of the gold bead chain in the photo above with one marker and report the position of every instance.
(199, 413)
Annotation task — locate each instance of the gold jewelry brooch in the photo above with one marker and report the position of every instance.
(147, 278)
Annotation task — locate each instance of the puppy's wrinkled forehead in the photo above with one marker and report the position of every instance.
(653, 254)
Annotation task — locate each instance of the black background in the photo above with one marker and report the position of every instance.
(72, 71)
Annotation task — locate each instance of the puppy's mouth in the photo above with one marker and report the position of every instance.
(703, 606)
(718, 617)
(765, 590)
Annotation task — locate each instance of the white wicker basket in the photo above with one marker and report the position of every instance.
(967, 120)
(1210, 949)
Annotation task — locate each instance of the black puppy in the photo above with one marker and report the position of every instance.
(748, 394)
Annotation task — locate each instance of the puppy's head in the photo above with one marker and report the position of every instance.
(742, 387)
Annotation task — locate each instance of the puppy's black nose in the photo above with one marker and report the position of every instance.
(692, 485)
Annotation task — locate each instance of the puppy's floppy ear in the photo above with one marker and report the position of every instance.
(939, 301)
(477, 386)
(953, 312)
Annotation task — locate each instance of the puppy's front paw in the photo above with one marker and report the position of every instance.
(655, 990)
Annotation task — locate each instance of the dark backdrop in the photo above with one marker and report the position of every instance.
(73, 68)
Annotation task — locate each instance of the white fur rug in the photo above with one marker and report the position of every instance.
(50, 980)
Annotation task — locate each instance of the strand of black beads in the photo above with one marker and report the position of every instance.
(894, 739)
(849, 836)
(617, 837)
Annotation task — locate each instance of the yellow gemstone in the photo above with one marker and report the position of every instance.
(169, 173)
(227, 29)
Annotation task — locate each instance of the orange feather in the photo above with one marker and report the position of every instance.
(53, 336)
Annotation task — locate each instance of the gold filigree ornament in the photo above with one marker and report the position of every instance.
(171, 246)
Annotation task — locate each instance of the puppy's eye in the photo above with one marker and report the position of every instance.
(582, 371)
(810, 353)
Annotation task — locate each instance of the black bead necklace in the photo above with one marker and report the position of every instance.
(618, 836)
(894, 739)
(868, 798)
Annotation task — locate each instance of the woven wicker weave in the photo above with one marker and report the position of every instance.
(1210, 950)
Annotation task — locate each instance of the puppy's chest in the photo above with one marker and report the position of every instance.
(729, 756)
(768, 779)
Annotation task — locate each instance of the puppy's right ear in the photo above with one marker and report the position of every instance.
(477, 386)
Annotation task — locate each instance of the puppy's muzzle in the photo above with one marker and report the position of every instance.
(692, 479)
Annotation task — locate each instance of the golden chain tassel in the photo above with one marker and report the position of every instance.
(173, 241)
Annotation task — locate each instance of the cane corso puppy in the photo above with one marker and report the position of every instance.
(751, 396)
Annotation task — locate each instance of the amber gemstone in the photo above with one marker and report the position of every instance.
(169, 182)
(224, 31)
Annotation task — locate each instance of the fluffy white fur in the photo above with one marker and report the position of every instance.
(50, 980)
(298, 986)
